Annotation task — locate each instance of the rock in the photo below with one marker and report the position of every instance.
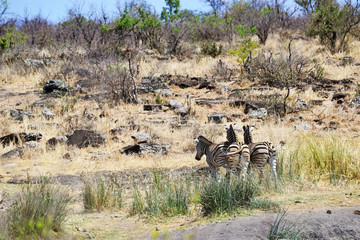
(146, 148)
(300, 104)
(85, 138)
(152, 107)
(260, 113)
(347, 60)
(316, 102)
(150, 84)
(56, 86)
(141, 138)
(183, 111)
(32, 127)
(338, 96)
(37, 62)
(48, 114)
(355, 102)
(17, 152)
(216, 118)
(293, 119)
(43, 103)
(334, 124)
(52, 142)
(16, 138)
(31, 144)
(207, 85)
(175, 104)
(303, 127)
(19, 114)
(163, 92)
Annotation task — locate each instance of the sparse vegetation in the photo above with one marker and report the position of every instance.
(38, 212)
(283, 230)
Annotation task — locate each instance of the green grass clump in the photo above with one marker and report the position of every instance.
(162, 197)
(227, 196)
(282, 230)
(264, 204)
(99, 194)
(328, 157)
(39, 212)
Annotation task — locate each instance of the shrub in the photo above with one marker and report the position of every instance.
(211, 49)
(39, 210)
(282, 230)
(99, 194)
(226, 196)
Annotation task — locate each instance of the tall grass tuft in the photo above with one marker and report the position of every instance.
(282, 230)
(163, 197)
(99, 194)
(38, 212)
(327, 157)
(226, 196)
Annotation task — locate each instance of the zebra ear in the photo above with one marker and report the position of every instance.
(196, 140)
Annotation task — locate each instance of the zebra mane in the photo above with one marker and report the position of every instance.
(247, 134)
(231, 135)
(204, 140)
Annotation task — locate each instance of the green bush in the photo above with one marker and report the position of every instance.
(226, 196)
(99, 194)
(38, 212)
(211, 49)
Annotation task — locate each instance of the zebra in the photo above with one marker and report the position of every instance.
(219, 155)
(261, 153)
(239, 148)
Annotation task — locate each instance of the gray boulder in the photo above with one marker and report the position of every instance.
(146, 148)
(56, 86)
(300, 104)
(216, 118)
(175, 104)
(19, 114)
(52, 142)
(163, 92)
(303, 127)
(355, 102)
(85, 138)
(141, 138)
(260, 113)
(48, 113)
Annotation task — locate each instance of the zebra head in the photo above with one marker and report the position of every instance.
(201, 146)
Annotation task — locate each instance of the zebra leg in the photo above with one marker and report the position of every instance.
(213, 172)
(244, 169)
(273, 166)
(227, 175)
(261, 174)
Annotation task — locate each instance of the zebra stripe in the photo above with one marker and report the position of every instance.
(261, 153)
(216, 156)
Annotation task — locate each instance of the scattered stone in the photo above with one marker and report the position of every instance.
(207, 85)
(17, 138)
(31, 144)
(43, 103)
(347, 60)
(303, 127)
(216, 118)
(163, 92)
(338, 96)
(260, 113)
(146, 148)
(52, 142)
(328, 211)
(316, 102)
(141, 138)
(48, 114)
(32, 127)
(17, 152)
(355, 102)
(300, 104)
(85, 138)
(297, 201)
(334, 124)
(150, 84)
(10, 164)
(152, 107)
(298, 118)
(56, 86)
(183, 111)
(357, 212)
(319, 121)
(4, 112)
(66, 156)
(37, 62)
(175, 104)
(19, 114)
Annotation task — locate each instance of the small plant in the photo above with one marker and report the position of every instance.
(282, 230)
(226, 196)
(38, 212)
(99, 194)
(211, 49)
(137, 205)
(264, 204)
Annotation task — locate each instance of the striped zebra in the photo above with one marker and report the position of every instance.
(238, 150)
(261, 153)
(218, 155)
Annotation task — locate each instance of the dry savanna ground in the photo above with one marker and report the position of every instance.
(318, 167)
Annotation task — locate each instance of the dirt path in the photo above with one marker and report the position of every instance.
(342, 223)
